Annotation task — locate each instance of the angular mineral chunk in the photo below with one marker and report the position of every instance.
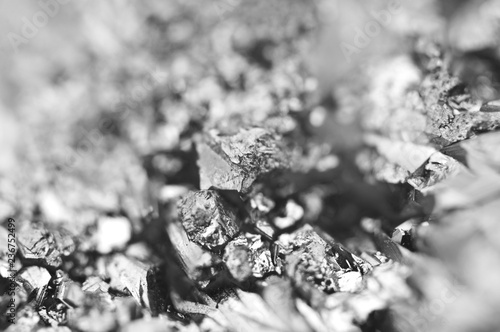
(70, 294)
(144, 283)
(95, 285)
(233, 162)
(35, 243)
(264, 228)
(248, 255)
(129, 275)
(259, 208)
(407, 155)
(311, 260)
(209, 220)
(437, 168)
(39, 245)
(199, 264)
(478, 181)
(34, 280)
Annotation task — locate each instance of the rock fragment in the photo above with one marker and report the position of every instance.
(70, 294)
(134, 277)
(209, 220)
(148, 284)
(247, 255)
(265, 229)
(407, 155)
(200, 265)
(259, 208)
(437, 168)
(235, 161)
(34, 280)
(312, 262)
(95, 285)
(478, 180)
(37, 244)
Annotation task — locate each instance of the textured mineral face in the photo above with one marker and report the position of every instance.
(127, 275)
(310, 259)
(199, 264)
(209, 220)
(259, 207)
(235, 161)
(95, 285)
(39, 244)
(437, 168)
(247, 255)
(34, 280)
(70, 293)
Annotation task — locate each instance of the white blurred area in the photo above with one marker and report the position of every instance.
(67, 69)
(55, 87)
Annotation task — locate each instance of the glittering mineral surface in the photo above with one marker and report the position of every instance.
(208, 218)
(234, 162)
(311, 259)
(248, 255)
(241, 166)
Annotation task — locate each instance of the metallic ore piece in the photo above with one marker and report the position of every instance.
(260, 206)
(34, 280)
(310, 259)
(54, 314)
(437, 168)
(248, 255)
(142, 281)
(95, 285)
(129, 275)
(234, 162)
(409, 156)
(37, 244)
(478, 181)
(40, 245)
(70, 294)
(199, 264)
(208, 219)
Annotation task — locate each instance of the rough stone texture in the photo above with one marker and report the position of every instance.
(38, 244)
(209, 220)
(34, 280)
(310, 259)
(234, 162)
(247, 255)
